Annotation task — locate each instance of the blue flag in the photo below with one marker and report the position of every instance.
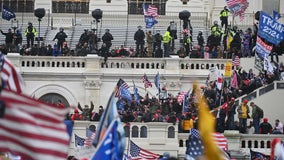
(136, 94)
(7, 13)
(150, 21)
(276, 15)
(79, 141)
(185, 102)
(157, 81)
(109, 149)
(270, 29)
(125, 94)
(110, 114)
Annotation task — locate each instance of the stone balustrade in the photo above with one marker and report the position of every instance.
(164, 137)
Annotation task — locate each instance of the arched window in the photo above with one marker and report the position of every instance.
(134, 131)
(53, 98)
(171, 132)
(143, 132)
(127, 131)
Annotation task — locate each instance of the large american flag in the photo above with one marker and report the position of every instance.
(146, 82)
(90, 136)
(137, 153)
(120, 84)
(150, 10)
(11, 79)
(32, 129)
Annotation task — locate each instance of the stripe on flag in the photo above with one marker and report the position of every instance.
(32, 129)
(11, 78)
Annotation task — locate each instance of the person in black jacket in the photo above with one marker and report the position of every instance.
(139, 37)
(107, 38)
(9, 39)
(61, 37)
(172, 28)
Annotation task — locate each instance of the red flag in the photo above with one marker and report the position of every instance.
(32, 129)
(10, 77)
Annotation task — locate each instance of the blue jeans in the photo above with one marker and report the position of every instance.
(256, 122)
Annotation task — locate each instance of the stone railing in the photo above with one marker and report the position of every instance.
(95, 63)
(164, 137)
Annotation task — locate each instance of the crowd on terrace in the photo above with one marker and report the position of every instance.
(182, 111)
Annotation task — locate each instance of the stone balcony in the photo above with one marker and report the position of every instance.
(164, 137)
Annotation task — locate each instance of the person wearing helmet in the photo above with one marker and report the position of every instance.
(107, 38)
(30, 33)
(9, 36)
(139, 37)
(172, 28)
(224, 17)
(61, 38)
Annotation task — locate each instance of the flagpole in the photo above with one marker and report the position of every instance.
(128, 142)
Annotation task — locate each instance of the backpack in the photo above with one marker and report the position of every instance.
(260, 113)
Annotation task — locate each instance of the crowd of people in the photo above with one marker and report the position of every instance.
(173, 109)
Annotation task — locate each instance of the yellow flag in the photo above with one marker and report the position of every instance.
(229, 40)
(206, 126)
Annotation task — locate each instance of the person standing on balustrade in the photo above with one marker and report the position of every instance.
(166, 40)
(243, 114)
(172, 28)
(139, 37)
(30, 33)
(256, 115)
(61, 38)
(9, 39)
(107, 38)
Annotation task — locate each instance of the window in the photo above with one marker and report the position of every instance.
(53, 98)
(19, 5)
(134, 131)
(171, 132)
(127, 131)
(143, 132)
(69, 6)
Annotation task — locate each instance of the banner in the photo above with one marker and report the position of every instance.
(258, 63)
(270, 29)
(228, 69)
(263, 50)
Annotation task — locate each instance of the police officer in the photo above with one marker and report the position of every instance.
(224, 17)
(107, 38)
(139, 37)
(172, 28)
(166, 40)
(30, 33)
(61, 37)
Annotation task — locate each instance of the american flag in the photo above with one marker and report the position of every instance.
(79, 141)
(236, 61)
(238, 7)
(194, 148)
(146, 82)
(150, 10)
(90, 136)
(219, 138)
(10, 77)
(137, 153)
(32, 129)
(120, 84)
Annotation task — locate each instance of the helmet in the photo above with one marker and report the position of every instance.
(61, 29)
(235, 28)
(107, 30)
(215, 22)
(30, 23)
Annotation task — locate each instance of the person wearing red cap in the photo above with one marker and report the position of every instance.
(265, 127)
(231, 109)
(243, 115)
